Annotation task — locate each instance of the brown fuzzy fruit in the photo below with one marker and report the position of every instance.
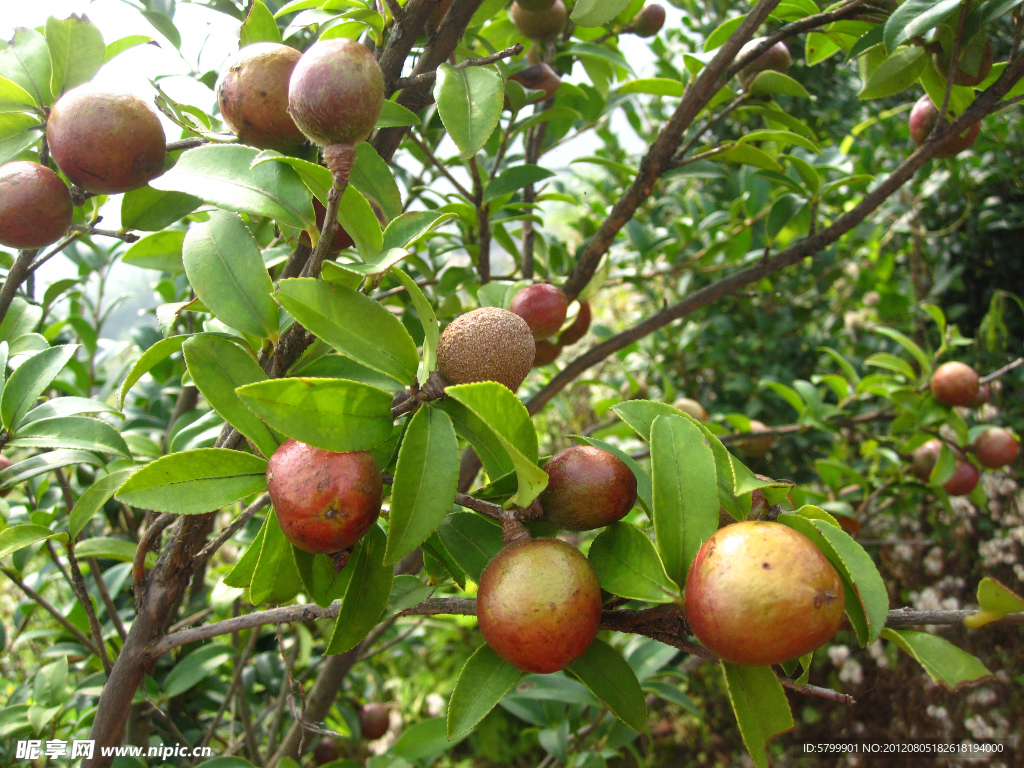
(4, 464)
(649, 21)
(579, 326)
(944, 58)
(540, 26)
(374, 720)
(487, 344)
(955, 383)
(926, 456)
(336, 92)
(35, 205)
(755, 446)
(922, 120)
(695, 409)
(547, 352)
(587, 488)
(760, 593)
(964, 480)
(252, 92)
(325, 501)
(539, 604)
(983, 396)
(105, 142)
(995, 447)
(537, 77)
(543, 307)
(776, 58)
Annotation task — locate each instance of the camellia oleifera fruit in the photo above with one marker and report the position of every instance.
(777, 58)
(547, 353)
(539, 604)
(579, 326)
(995, 447)
(982, 61)
(373, 720)
(35, 205)
(649, 21)
(543, 307)
(695, 409)
(325, 501)
(925, 457)
(760, 593)
(540, 26)
(587, 488)
(487, 344)
(252, 92)
(105, 142)
(964, 480)
(754, 446)
(538, 77)
(922, 121)
(955, 383)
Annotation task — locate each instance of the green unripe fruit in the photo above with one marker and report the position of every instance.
(487, 344)
(587, 488)
(539, 604)
(540, 26)
(35, 206)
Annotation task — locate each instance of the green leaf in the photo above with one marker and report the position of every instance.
(422, 741)
(14, 98)
(194, 482)
(483, 682)
(469, 101)
(373, 177)
(26, 61)
(150, 210)
(155, 354)
(897, 73)
(427, 319)
(657, 86)
(275, 579)
(892, 363)
(112, 549)
(322, 582)
(333, 414)
(218, 367)
(77, 432)
(603, 670)
(94, 497)
(394, 115)
(782, 137)
(220, 174)
(123, 44)
(77, 52)
(596, 13)
(44, 463)
(241, 574)
(685, 493)
(355, 325)
(20, 536)
(194, 668)
(914, 17)
(21, 319)
(259, 26)
(644, 490)
(163, 24)
(410, 227)
(508, 419)
(748, 155)
(27, 383)
(819, 47)
(358, 219)
(515, 178)
(944, 662)
(160, 251)
(995, 600)
(367, 594)
(406, 591)
(628, 565)
(425, 482)
(471, 541)
(760, 706)
(226, 270)
(770, 82)
(50, 683)
(922, 359)
(867, 601)
(17, 133)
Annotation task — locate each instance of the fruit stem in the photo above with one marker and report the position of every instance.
(513, 531)
(338, 158)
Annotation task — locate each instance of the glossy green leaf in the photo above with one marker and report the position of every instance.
(220, 174)
(995, 600)
(160, 251)
(44, 463)
(406, 591)
(194, 482)
(241, 574)
(469, 101)
(914, 17)
(373, 177)
(358, 219)
(259, 26)
(275, 580)
(428, 320)
(685, 492)
(27, 383)
(94, 497)
(471, 540)
(17, 133)
(595, 13)
(946, 664)
(194, 668)
(155, 354)
(760, 705)
(26, 61)
(628, 565)
(322, 582)
(20, 536)
(123, 44)
(657, 86)
(508, 419)
(423, 741)
(410, 227)
(770, 82)
(782, 137)
(603, 670)
(150, 210)
(394, 115)
(77, 52)
(14, 98)
(367, 594)
(515, 178)
(482, 683)
(226, 270)
(425, 482)
(21, 318)
(112, 549)
(218, 367)
(355, 325)
(333, 414)
(923, 361)
(897, 73)
(76, 432)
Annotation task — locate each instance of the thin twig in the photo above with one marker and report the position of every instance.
(128, 237)
(45, 604)
(440, 166)
(427, 77)
(1000, 371)
(236, 525)
(101, 585)
(814, 690)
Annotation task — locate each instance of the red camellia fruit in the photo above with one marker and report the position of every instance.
(547, 352)
(539, 604)
(105, 142)
(373, 721)
(35, 206)
(252, 92)
(995, 447)
(944, 58)
(755, 446)
(540, 26)
(537, 77)
(922, 121)
(543, 307)
(587, 488)
(983, 396)
(325, 501)
(955, 383)
(776, 58)
(965, 478)
(760, 593)
(649, 21)
(579, 327)
(926, 456)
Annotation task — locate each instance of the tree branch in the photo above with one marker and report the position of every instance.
(428, 77)
(45, 604)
